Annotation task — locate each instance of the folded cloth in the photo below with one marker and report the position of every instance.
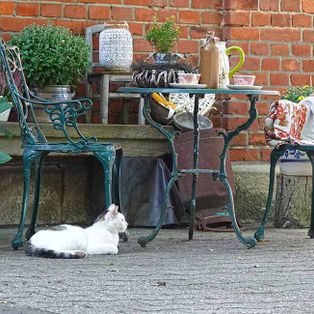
(290, 123)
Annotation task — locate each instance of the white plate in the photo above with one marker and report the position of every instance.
(245, 87)
(178, 85)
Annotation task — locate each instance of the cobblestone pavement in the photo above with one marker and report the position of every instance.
(214, 273)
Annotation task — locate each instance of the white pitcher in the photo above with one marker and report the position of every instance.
(225, 74)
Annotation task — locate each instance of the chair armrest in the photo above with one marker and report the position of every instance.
(64, 114)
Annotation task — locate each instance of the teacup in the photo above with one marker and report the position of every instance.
(188, 78)
(239, 79)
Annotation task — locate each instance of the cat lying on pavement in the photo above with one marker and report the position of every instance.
(70, 242)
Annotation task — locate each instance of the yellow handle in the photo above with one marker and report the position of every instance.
(242, 59)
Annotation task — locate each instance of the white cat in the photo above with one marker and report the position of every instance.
(68, 241)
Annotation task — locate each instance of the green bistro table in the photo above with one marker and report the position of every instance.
(218, 174)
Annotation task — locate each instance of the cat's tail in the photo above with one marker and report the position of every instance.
(30, 250)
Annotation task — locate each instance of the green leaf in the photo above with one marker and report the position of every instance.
(4, 157)
(4, 104)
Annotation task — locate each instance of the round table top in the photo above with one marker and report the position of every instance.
(141, 90)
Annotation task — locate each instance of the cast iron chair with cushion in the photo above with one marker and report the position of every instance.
(63, 116)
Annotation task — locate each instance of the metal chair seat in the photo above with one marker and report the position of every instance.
(63, 116)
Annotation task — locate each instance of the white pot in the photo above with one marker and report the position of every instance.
(295, 163)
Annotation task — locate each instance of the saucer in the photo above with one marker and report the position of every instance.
(245, 87)
(178, 85)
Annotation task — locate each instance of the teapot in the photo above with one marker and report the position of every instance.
(225, 73)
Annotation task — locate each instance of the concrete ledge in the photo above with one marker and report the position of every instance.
(136, 140)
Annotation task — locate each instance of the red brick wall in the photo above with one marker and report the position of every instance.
(277, 36)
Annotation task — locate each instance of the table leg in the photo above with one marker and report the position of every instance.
(169, 135)
(195, 166)
(222, 176)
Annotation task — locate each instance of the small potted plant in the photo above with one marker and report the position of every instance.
(162, 37)
(297, 93)
(54, 59)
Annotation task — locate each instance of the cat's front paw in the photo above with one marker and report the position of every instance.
(124, 236)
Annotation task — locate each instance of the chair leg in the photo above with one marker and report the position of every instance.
(275, 154)
(28, 158)
(311, 230)
(107, 159)
(38, 174)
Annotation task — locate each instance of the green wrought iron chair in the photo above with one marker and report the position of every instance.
(63, 116)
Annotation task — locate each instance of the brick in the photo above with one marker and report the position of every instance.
(269, 5)
(75, 11)
(120, 13)
(51, 10)
(263, 108)
(143, 14)
(211, 18)
(189, 17)
(142, 45)
(188, 46)
(257, 138)
(301, 20)
(281, 20)
(270, 64)
(139, 2)
(16, 24)
(27, 9)
(197, 32)
(237, 18)
(251, 64)
(308, 6)
(300, 79)
(285, 35)
(76, 26)
(308, 35)
(259, 49)
(301, 50)
(265, 154)
(184, 31)
(279, 50)
(260, 19)
(240, 140)
(179, 3)
(241, 4)
(7, 8)
(279, 79)
(244, 154)
(235, 107)
(244, 33)
(232, 123)
(308, 65)
(242, 44)
(290, 65)
(162, 14)
(99, 13)
(262, 78)
(207, 4)
(136, 29)
(290, 5)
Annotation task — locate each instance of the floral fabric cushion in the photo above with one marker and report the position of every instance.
(290, 123)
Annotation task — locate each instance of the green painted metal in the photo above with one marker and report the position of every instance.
(63, 116)
(274, 157)
(217, 175)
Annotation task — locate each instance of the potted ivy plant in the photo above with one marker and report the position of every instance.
(162, 37)
(54, 60)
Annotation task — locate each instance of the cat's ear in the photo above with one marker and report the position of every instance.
(113, 209)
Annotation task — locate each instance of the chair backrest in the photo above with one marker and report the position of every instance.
(11, 68)
(90, 35)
